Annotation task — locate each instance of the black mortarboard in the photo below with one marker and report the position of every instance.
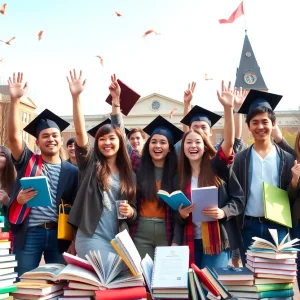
(46, 119)
(128, 98)
(257, 98)
(198, 113)
(94, 130)
(162, 126)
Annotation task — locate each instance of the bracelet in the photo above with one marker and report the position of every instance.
(115, 105)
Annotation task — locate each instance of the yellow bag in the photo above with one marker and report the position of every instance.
(65, 230)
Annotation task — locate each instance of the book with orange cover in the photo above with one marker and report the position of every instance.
(205, 281)
(122, 294)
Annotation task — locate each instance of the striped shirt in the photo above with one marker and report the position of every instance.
(44, 214)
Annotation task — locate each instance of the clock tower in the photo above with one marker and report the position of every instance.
(248, 74)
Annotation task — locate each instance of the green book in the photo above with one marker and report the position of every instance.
(261, 287)
(277, 205)
(8, 289)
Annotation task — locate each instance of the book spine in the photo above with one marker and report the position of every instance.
(276, 294)
(153, 270)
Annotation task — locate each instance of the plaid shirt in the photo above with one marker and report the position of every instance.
(168, 219)
(135, 161)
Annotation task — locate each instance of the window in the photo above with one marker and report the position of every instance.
(219, 137)
(25, 117)
(25, 137)
(155, 105)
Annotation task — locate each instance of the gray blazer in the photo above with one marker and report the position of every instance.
(88, 206)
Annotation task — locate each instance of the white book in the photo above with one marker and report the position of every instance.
(147, 266)
(170, 270)
(204, 197)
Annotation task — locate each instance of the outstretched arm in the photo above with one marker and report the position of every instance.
(226, 98)
(187, 99)
(16, 90)
(239, 97)
(76, 85)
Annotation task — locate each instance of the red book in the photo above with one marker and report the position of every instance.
(203, 279)
(77, 261)
(122, 294)
(4, 235)
(128, 98)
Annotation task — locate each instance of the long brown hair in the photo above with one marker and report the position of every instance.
(297, 148)
(207, 176)
(8, 176)
(103, 171)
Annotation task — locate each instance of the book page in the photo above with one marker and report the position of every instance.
(129, 249)
(283, 241)
(262, 243)
(96, 262)
(47, 271)
(162, 192)
(170, 268)
(115, 267)
(71, 272)
(147, 266)
(274, 236)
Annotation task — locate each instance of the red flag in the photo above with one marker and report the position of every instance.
(237, 13)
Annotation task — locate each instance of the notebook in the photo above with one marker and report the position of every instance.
(170, 269)
(203, 198)
(277, 205)
(40, 184)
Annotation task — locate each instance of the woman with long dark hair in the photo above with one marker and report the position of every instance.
(105, 176)
(157, 224)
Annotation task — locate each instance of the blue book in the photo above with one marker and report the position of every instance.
(174, 199)
(39, 184)
(232, 273)
(2, 219)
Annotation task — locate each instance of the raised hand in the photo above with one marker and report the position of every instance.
(226, 97)
(239, 97)
(188, 94)
(114, 88)
(16, 87)
(76, 85)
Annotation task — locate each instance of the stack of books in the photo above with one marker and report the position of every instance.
(274, 267)
(167, 276)
(7, 264)
(41, 283)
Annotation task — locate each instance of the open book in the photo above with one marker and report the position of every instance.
(39, 184)
(174, 199)
(126, 249)
(265, 245)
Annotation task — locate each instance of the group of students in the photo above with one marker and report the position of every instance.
(120, 166)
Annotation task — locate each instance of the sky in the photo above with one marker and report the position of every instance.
(191, 43)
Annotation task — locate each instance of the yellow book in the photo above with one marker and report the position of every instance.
(114, 244)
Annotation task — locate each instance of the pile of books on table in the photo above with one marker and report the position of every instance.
(7, 264)
(41, 283)
(270, 271)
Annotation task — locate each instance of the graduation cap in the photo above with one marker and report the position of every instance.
(162, 126)
(128, 98)
(198, 113)
(94, 130)
(257, 99)
(46, 119)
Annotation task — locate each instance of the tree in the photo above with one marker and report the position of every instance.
(289, 136)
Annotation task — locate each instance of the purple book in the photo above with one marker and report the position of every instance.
(204, 197)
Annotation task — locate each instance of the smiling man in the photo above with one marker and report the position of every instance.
(35, 229)
(137, 139)
(71, 151)
(262, 162)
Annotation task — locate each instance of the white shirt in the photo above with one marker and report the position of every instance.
(197, 225)
(263, 170)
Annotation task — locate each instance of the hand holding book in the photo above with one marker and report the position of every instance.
(26, 195)
(214, 212)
